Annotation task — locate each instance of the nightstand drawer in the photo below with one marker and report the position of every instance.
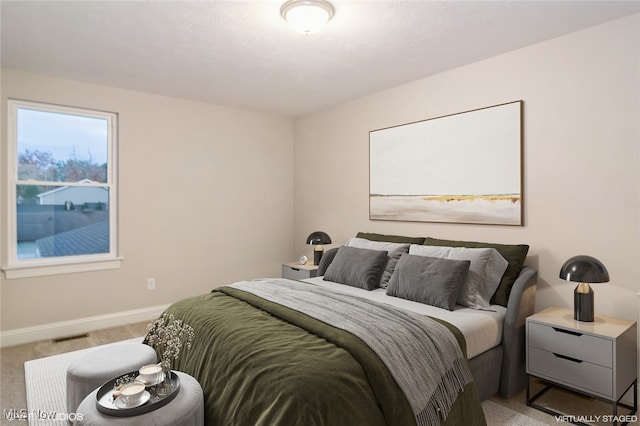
(595, 350)
(580, 374)
(298, 273)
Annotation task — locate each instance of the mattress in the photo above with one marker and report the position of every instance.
(481, 329)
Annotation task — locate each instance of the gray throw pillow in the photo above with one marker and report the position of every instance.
(326, 260)
(357, 267)
(515, 254)
(485, 272)
(429, 280)
(394, 251)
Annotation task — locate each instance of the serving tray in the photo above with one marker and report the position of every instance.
(105, 401)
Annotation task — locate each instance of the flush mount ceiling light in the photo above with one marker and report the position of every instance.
(307, 16)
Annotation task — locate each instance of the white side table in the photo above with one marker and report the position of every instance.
(186, 409)
(598, 358)
(296, 271)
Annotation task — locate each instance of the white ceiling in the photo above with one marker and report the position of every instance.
(243, 54)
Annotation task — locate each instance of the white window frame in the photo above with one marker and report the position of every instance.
(24, 268)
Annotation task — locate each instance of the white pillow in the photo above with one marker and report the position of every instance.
(485, 272)
(394, 251)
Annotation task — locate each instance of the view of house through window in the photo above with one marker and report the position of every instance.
(63, 181)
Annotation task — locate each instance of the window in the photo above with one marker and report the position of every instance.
(62, 190)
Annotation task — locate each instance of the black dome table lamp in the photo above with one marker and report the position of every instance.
(584, 270)
(318, 238)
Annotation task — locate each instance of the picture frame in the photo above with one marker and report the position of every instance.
(458, 168)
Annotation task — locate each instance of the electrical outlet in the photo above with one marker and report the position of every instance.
(151, 284)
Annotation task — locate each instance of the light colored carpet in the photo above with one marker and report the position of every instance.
(46, 394)
(497, 415)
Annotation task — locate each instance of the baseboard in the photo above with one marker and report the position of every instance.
(78, 326)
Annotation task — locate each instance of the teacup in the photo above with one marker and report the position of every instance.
(150, 373)
(131, 393)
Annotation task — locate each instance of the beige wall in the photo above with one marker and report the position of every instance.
(206, 198)
(581, 98)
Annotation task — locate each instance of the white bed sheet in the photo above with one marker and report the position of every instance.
(481, 329)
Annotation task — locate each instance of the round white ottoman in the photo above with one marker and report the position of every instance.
(186, 409)
(93, 369)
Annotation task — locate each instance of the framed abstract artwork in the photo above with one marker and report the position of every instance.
(459, 168)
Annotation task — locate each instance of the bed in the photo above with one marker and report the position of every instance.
(328, 352)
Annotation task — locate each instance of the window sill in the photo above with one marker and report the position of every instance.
(44, 269)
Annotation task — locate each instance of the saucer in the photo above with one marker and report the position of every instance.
(152, 382)
(119, 403)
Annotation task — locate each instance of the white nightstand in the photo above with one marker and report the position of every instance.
(597, 358)
(296, 271)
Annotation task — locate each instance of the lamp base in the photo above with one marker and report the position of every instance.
(583, 303)
(317, 254)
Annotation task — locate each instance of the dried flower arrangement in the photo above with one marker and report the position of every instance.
(168, 336)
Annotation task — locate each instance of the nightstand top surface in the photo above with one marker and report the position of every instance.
(601, 326)
(309, 266)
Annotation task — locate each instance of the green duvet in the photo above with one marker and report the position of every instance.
(260, 363)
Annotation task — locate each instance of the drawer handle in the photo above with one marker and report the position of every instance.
(296, 269)
(562, 330)
(568, 358)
